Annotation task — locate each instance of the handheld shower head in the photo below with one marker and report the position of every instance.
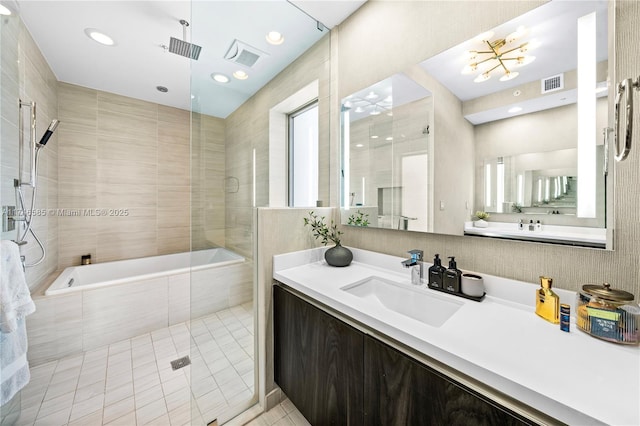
(52, 128)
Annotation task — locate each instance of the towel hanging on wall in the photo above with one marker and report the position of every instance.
(15, 297)
(15, 305)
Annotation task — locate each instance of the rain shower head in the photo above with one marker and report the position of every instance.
(183, 47)
(52, 128)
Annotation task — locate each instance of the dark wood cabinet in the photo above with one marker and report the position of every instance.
(402, 391)
(318, 362)
(336, 375)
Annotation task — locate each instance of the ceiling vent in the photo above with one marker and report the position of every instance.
(243, 54)
(552, 84)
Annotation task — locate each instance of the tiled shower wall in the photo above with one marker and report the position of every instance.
(26, 75)
(208, 182)
(127, 162)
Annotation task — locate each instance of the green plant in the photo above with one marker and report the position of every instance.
(322, 230)
(517, 208)
(358, 219)
(482, 215)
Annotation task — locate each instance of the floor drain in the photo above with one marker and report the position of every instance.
(180, 362)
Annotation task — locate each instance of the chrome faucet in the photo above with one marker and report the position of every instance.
(417, 264)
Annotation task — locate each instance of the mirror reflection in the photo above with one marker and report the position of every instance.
(533, 93)
(385, 133)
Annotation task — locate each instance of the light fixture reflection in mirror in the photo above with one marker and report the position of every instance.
(547, 123)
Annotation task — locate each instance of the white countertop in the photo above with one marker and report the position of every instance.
(500, 341)
(595, 237)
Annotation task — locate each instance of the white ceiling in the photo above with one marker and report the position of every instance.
(553, 25)
(138, 63)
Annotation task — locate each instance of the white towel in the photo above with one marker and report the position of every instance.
(15, 305)
(15, 297)
(14, 368)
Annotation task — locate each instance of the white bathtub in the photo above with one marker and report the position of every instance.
(111, 301)
(78, 278)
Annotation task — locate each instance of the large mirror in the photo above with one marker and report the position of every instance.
(513, 127)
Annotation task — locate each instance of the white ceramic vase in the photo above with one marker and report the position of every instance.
(481, 223)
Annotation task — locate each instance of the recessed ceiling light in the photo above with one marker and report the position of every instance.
(98, 36)
(275, 37)
(514, 109)
(374, 136)
(388, 138)
(162, 89)
(220, 78)
(4, 10)
(359, 145)
(241, 75)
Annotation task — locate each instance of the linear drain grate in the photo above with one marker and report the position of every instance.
(180, 362)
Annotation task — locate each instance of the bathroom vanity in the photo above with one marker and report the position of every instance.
(362, 345)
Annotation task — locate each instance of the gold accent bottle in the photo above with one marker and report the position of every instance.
(547, 302)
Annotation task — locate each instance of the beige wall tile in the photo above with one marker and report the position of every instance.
(53, 328)
(105, 321)
(128, 106)
(25, 75)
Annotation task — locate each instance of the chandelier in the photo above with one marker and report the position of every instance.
(502, 55)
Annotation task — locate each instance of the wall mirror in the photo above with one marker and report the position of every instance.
(533, 93)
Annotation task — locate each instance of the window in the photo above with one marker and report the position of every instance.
(303, 156)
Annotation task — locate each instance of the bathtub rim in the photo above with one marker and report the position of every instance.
(46, 291)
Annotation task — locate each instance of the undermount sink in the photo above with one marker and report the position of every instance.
(411, 302)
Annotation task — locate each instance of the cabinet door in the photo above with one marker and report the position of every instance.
(401, 391)
(318, 361)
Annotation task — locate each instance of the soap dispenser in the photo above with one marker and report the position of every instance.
(436, 273)
(452, 277)
(547, 302)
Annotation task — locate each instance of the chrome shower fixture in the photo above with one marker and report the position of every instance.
(52, 128)
(183, 47)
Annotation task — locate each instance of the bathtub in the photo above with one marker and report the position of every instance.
(78, 278)
(90, 306)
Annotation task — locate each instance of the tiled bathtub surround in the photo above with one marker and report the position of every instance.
(131, 382)
(70, 323)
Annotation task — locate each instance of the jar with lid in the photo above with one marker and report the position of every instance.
(608, 314)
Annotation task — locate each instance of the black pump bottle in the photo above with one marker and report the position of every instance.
(436, 273)
(452, 277)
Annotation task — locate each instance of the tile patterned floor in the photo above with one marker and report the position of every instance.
(131, 382)
(283, 414)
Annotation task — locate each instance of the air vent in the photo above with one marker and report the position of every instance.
(243, 54)
(552, 84)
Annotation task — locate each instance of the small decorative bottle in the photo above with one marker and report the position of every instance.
(547, 302)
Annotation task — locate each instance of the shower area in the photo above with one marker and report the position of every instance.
(135, 225)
